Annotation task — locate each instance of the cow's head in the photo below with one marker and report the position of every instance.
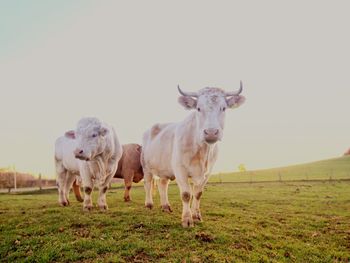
(210, 105)
(90, 136)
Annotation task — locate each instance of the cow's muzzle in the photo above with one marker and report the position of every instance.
(211, 135)
(83, 158)
(79, 154)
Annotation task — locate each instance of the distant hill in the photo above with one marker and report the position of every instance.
(337, 168)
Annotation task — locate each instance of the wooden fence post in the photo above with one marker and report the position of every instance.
(40, 182)
(15, 179)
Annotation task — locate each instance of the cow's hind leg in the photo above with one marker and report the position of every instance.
(163, 193)
(61, 182)
(70, 178)
(76, 189)
(148, 183)
(128, 178)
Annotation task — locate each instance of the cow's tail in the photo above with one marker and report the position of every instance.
(77, 193)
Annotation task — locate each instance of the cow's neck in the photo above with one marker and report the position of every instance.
(201, 151)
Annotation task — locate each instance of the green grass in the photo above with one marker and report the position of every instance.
(263, 222)
(333, 169)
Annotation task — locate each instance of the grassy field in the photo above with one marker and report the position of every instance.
(263, 222)
(332, 169)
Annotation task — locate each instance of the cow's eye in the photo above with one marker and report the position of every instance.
(198, 109)
(94, 135)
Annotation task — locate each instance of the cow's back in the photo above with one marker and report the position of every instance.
(157, 149)
(64, 148)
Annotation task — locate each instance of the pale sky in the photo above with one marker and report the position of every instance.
(121, 61)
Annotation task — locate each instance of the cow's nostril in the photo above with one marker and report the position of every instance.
(81, 152)
(211, 132)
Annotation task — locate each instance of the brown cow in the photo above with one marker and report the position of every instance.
(347, 152)
(129, 169)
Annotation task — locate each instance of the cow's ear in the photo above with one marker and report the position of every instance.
(235, 101)
(70, 134)
(188, 102)
(103, 131)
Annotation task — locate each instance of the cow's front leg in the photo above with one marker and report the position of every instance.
(148, 184)
(198, 187)
(102, 203)
(197, 193)
(163, 193)
(105, 182)
(88, 186)
(185, 192)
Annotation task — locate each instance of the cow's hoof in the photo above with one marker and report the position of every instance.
(166, 208)
(87, 208)
(197, 217)
(127, 199)
(187, 221)
(149, 205)
(103, 207)
(64, 203)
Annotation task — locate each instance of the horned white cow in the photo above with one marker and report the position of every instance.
(187, 149)
(91, 151)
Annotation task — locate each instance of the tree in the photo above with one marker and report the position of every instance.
(242, 168)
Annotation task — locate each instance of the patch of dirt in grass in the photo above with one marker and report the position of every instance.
(139, 257)
(77, 225)
(262, 224)
(81, 230)
(238, 204)
(204, 237)
(269, 246)
(138, 226)
(281, 220)
(244, 246)
(215, 214)
(288, 255)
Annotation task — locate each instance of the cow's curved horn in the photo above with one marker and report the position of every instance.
(188, 94)
(235, 93)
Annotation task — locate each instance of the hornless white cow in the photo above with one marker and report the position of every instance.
(187, 149)
(93, 151)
